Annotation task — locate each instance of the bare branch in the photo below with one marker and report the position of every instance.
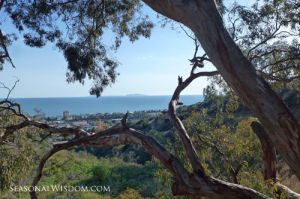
(274, 78)
(282, 60)
(123, 121)
(264, 54)
(4, 48)
(175, 121)
(239, 167)
(185, 31)
(233, 25)
(64, 131)
(9, 106)
(40, 141)
(197, 62)
(9, 89)
(231, 170)
(97, 25)
(264, 41)
(196, 47)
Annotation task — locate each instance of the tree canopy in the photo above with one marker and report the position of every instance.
(76, 28)
(268, 34)
(259, 46)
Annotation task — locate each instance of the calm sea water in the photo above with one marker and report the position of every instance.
(107, 104)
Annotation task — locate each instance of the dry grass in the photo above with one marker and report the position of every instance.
(288, 179)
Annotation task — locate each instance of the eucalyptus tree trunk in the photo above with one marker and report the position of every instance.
(203, 18)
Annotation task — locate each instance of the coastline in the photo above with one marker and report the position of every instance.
(53, 107)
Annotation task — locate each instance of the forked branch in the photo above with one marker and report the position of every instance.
(9, 89)
(7, 105)
(234, 173)
(175, 121)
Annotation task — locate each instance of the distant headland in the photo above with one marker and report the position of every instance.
(135, 95)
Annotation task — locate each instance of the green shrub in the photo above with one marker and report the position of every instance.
(102, 173)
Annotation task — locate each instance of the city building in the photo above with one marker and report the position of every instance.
(66, 115)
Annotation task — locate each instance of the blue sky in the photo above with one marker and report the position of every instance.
(148, 66)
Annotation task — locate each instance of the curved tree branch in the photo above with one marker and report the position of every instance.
(9, 89)
(40, 141)
(271, 77)
(175, 121)
(3, 43)
(265, 40)
(185, 183)
(8, 105)
(233, 172)
(121, 136)
(282, 60)
(264, 54)
(236, 172)
(64, 131)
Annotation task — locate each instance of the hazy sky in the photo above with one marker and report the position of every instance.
(148, 66)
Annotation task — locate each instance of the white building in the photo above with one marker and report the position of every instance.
(80, 123)
(154, 114)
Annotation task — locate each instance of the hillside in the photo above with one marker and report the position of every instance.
(161, 124)
(130, 169)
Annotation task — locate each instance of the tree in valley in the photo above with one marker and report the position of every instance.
(256, 48)
(100, 126)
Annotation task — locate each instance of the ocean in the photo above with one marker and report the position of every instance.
(53, 107)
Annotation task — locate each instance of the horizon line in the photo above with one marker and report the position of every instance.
(128, 95)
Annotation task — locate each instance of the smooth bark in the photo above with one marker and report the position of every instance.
(203, 18)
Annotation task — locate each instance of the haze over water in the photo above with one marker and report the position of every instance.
(106, 104)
